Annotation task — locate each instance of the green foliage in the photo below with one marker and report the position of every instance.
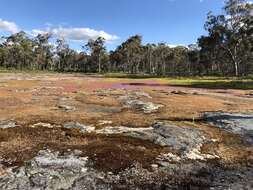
(213, 83)
(227, 50)
(97, 51)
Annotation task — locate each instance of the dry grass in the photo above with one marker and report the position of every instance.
(37, 103)
(113, 153)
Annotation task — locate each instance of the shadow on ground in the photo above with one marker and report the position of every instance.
(243, 85)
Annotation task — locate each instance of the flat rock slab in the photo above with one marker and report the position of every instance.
(7, 124)
(48, 170)
(146, 107)
(133, 100)
(241, 124)
(178, 137)
(81, 127)
(187, 141)
(53, 171)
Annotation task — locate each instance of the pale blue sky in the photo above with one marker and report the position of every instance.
(170, 21)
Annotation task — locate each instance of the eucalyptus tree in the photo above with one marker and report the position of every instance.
(226, 50)
(194, 58)
(116, 60)
(81, 61)
(237, 12)
(149, 58)
(62, 49)
(162, 53)
(180, 60)
(2, 51)
(43, 51)
(131, 54)
(227, 37)
(18, 51)
(97, 50)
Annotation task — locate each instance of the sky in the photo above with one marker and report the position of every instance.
(176, 22)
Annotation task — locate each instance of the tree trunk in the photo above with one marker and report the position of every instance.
(236, 68)
(150, 63)
(99, 64)
(234, 59)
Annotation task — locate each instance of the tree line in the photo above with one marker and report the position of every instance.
(226, 50)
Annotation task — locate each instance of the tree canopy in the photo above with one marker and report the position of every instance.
(226, 50)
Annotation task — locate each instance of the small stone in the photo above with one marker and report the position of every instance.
(104, 122)
(143, 94)
(146, 107)
(169, 157)
(47, 125)
(155, 166)
(151, 107)
(66, 107)
(84, 170)
(250, 93)
(77, 152)
(178, 92)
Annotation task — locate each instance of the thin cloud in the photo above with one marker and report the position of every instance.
(79, 34)
(176, 45)
(76, 34)
(7, 26)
